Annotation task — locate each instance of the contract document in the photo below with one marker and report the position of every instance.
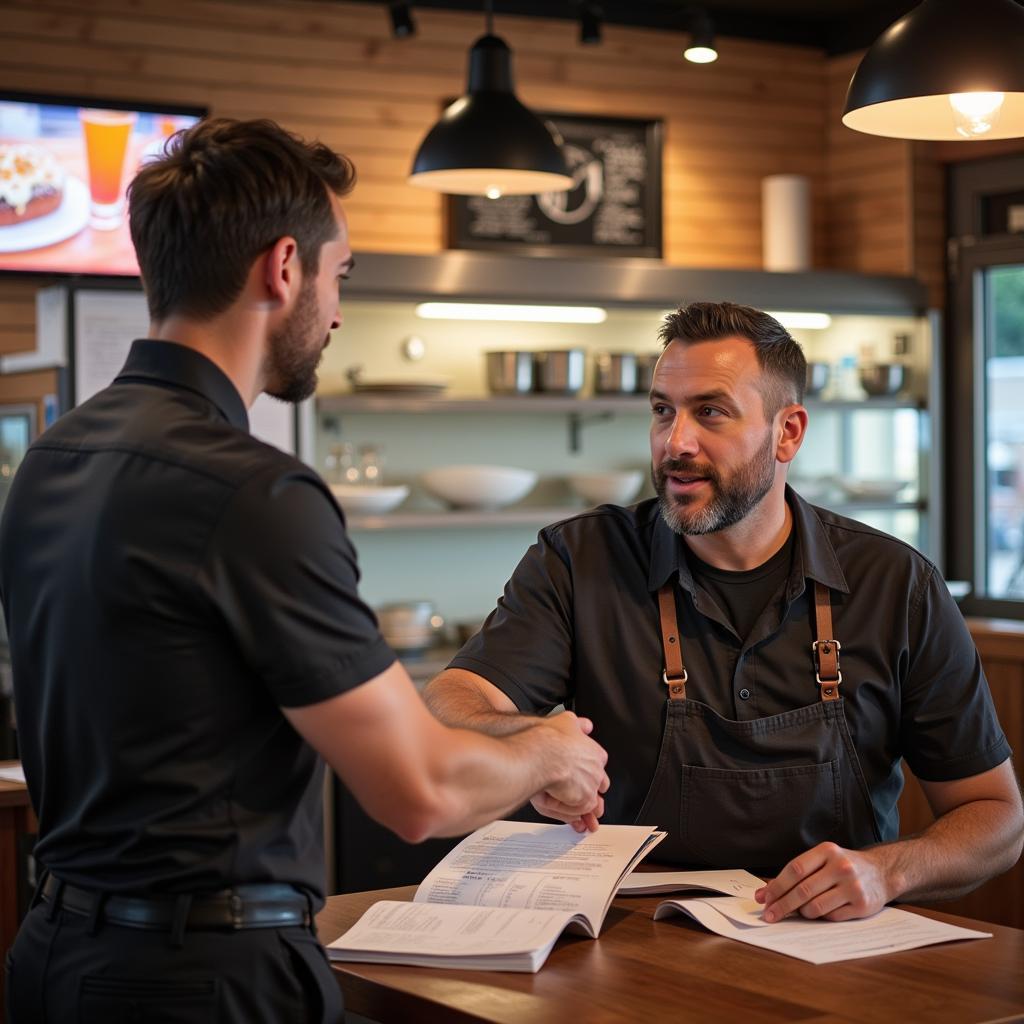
(817, 942)
(502, 897)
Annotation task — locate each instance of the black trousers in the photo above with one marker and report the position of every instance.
(58, 973)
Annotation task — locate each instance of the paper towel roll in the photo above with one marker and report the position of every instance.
(786, 222)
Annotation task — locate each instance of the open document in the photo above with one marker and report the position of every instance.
(501, 898)
(817, 942)
(729, 883)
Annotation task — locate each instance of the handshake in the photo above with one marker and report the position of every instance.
(578, 796)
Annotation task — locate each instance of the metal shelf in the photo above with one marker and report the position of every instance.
(457, 519)
(477, 519)
(348, 403)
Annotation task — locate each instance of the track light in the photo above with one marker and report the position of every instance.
(590, 24)
(702, 38)
(402, 25)
(487, 143)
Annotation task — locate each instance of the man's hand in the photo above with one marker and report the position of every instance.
(578, 800)
(830, 882)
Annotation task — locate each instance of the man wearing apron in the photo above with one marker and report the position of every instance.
(756, 667)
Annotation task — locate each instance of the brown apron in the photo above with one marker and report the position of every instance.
(755, 794)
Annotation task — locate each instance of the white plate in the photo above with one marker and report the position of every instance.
(421, 388)
(68, 219)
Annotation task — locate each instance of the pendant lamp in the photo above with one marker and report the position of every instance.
(950, 69)
(487, 143)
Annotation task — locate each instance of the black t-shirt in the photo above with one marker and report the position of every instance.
(578, 624)
(742, 595)
(169, 583)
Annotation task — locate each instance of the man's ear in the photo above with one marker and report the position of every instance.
(792, 427)
(281, 270)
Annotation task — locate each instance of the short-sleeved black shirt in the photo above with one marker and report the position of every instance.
(578, 624)
(169, 583)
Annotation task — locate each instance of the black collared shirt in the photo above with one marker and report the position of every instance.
(578, 624)
(170, 583)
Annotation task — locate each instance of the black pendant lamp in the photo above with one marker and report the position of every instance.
(487, 143)
(950, 69)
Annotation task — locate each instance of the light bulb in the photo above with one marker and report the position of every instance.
(493, 192)
(700, 54)
(975, 113)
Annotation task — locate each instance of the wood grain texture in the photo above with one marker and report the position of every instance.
(333, 71)
(640, 969)
(1001, 646)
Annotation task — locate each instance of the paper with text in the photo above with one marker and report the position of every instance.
(818, 942)
(481, 938)
(540, 867)
(730, 883)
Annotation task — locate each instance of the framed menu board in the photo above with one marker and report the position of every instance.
(614, 207)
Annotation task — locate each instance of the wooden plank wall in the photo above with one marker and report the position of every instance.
(333, 70)
(868, 183)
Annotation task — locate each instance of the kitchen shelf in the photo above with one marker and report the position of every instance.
(457, 519)
(346, 402)
(473, 519)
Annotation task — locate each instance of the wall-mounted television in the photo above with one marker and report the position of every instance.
(64, 167)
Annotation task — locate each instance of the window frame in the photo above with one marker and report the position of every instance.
(971, 253)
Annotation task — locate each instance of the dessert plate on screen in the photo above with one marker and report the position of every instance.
(67, 220)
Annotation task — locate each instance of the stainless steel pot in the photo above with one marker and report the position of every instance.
(882, 378)
(645, 364)
(560, 371)
(509, 373)
(409, 627)
(817, 378)
(616, 373)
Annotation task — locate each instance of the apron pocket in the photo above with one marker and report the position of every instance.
(758, 819)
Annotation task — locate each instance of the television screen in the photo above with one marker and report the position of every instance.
(64, 169)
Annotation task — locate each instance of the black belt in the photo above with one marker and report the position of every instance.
(273, 905)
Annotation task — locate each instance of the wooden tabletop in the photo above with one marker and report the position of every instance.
(641, 970)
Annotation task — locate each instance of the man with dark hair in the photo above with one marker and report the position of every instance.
(702, 632)
(186, 633)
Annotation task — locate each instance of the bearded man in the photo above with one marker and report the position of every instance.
(755, 666)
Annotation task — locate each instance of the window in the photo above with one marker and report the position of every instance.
(985, 386)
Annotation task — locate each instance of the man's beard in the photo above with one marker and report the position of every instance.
(290, 367)
(731, 500)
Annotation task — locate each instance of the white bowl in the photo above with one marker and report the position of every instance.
(482, 487)
(359, 499)
(871, 490)
(607, 488)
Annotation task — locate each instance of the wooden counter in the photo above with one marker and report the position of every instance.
(642, 970)
(1000, 643)
(16, 820)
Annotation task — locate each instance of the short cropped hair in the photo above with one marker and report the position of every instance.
(223, 192)
(781, 359)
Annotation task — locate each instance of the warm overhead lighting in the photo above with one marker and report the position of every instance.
(590, 24)
(402, 25)
(804, 321)
(947, 70)
(702, 39)
(487, 143)
(501, 311)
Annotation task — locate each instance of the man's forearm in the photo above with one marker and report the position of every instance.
(460, 704)
(955, 854)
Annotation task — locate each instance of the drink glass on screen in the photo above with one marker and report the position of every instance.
(106, 144)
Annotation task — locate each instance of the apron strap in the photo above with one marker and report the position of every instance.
(674, 675)
(825, 647)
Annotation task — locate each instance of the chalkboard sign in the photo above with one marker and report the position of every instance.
(614, 208)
